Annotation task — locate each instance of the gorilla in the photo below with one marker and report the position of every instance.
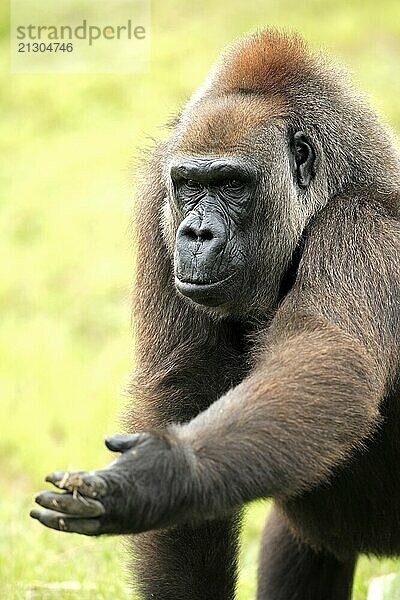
(267, 319)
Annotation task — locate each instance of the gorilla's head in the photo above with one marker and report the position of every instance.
(236, 204)
(258, 151)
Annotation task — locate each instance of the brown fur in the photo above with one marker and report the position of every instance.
(224, 125)
(266, 62)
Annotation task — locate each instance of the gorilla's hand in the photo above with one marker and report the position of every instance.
(148, 486)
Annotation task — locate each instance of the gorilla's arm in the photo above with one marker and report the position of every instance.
(300, 413)
(311, 400)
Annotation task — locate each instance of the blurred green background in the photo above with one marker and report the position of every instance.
(65, 262)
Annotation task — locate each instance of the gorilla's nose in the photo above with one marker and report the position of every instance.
(198, 243)
(201, 233)
(201, 237)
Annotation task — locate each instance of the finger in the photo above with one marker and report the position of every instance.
(71, 504)
(122, 443)
(60, 522)
(87, 483)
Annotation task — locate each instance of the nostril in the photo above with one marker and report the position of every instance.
(205, 235)
(200, 234)
(190, 234)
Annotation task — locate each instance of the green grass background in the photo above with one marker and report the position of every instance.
(65, 261)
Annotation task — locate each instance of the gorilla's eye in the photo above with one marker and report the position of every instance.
(233, 187)
(234, 184)
(192, 185)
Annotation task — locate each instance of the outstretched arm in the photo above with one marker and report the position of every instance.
(302, 411)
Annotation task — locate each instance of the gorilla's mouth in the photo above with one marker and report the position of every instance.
(210, 294)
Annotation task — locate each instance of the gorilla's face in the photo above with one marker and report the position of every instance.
(236, 221)
(214, 197)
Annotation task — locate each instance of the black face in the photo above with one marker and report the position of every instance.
(212, 197)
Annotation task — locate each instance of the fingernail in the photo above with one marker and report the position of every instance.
(54, 477)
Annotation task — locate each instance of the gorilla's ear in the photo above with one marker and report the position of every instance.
(304, 157)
